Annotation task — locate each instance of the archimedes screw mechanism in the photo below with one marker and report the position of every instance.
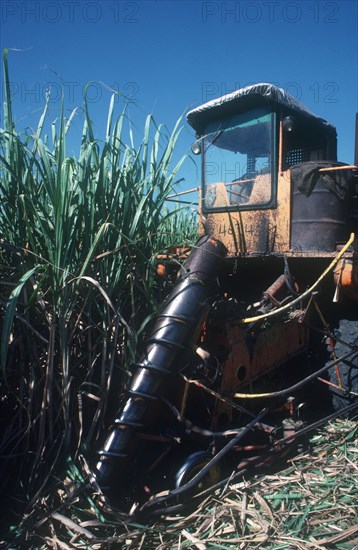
(167, 351)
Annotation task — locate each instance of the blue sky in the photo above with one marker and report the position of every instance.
(171, 56)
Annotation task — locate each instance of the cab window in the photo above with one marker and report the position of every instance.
(238, 156)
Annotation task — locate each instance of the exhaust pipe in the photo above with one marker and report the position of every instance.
(166, 352)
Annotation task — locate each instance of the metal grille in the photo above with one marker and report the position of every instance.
(295, 156)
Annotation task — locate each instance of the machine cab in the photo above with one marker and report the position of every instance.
(267, 179)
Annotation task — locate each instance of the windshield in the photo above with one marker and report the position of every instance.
(237, 161)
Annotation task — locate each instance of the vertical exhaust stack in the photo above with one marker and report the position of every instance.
(166, 352)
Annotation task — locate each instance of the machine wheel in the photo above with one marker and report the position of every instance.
(348, 369)
(192, 465)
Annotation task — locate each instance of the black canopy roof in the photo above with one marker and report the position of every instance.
(251, 97)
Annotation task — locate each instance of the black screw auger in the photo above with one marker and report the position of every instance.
(166, 352)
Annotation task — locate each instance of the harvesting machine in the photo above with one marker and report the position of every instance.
(261, 322)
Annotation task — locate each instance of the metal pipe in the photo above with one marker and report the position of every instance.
(292, 389)
(257, 461)
(192, 482)
(307, 292)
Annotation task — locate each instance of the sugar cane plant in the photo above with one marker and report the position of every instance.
(79, 238)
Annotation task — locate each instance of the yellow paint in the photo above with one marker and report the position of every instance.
(252, 232)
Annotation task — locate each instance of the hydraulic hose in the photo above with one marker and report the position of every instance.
(307, 292)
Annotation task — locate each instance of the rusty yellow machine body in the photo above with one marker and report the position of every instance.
(270, 288)
(292, 226)
(271, 183)
(274, 194)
